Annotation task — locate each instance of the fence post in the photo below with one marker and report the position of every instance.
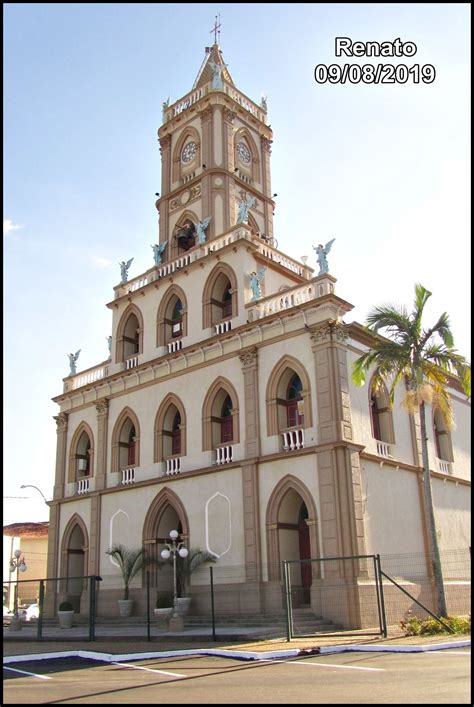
(40, 615)
(148, 631)
(286, 580)
(382, 601)
(212, 605)
(92, 609)
(377, 591)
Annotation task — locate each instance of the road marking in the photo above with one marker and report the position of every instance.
(150, 670)
(25, 672)
(326, 665)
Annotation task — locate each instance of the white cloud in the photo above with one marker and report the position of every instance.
(8, 226)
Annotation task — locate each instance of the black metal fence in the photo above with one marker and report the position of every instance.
(363, 594)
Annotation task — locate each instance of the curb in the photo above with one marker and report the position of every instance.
(239, 655)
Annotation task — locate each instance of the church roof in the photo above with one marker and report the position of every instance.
(213, 55)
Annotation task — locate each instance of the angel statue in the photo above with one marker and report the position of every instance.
(165, 106)
(216, 75)
(158, 250)
(263, 103)
(321, 252)
(72, 362)
(255, 280)
(201, 228)
(244, 206)
(109, 344)
(124, 270)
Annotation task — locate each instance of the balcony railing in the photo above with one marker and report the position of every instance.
(383, 449)
(224, 455)
(293, 439)
(131, 362)
(222, 327)
(172, 466)
(443, 466)
(175, 345)
(83, 486)
(90, 376)
(128, 476)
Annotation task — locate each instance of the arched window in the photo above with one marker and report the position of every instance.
(177, 319)
(288, 398)
(294, 402)
(442, 437)
(127, 445)
(220, 416)
(170, 432)
(381, 415)
(185, 236)
(129, 340)
(83, 455)
(219, 298)
(227, 434)
(171, 318)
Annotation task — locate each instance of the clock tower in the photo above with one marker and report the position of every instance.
(215, 149)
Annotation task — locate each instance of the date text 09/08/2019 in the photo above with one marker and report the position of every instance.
(378, 74)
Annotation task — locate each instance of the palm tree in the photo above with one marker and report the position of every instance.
(130, 563)
(425, 359)
(185, 566)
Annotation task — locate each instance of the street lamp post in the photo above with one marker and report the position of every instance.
(172, 549)
(30, 486)
(18, 564)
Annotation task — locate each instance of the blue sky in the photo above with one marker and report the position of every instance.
(383, 169)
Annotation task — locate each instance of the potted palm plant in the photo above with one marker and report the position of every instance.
(185, 566)
(65, 614)
(130, 563)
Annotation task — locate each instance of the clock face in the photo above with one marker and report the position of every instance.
(189, 152)
(244, 152)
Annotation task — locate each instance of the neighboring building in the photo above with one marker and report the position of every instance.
(32, 540)
(226, 410)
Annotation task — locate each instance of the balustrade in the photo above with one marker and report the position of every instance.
(222, 327)
(224, 455)
(128, 476)
(293, 439)
(131, 362)
(444, 466)
(383, 449)
(175, 345)
(83, 486)
(172, 466)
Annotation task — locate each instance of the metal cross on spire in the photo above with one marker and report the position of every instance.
(216, 29)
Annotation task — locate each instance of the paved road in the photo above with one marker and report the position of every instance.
(439, 677)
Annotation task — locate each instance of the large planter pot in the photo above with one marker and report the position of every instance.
(65, 618)
(163, 615)
(125, 607)
(183, 604)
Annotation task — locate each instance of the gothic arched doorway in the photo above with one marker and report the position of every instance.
(74, 565)
(294, 541)
(166, 513)
(292, 535)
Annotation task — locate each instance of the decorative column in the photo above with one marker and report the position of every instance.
(266, 150)
(102, 407)
(229, 164)
(53, 559)
(342, 523)
(61, 444)
(165, 149)
(252, 542)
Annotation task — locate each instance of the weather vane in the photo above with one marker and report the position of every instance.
(216, 29)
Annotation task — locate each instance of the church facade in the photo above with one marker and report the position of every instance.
(226, 410)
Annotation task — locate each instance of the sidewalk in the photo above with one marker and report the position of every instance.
(133, 639)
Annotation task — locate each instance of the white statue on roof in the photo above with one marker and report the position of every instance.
(217, 75)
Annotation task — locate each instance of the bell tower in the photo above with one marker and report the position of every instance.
(215, 151)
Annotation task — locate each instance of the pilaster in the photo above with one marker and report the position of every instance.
(102, 407)
(61, 444)
(342, 520)
(252, 542)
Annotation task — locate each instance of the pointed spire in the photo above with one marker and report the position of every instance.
(213, 55)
